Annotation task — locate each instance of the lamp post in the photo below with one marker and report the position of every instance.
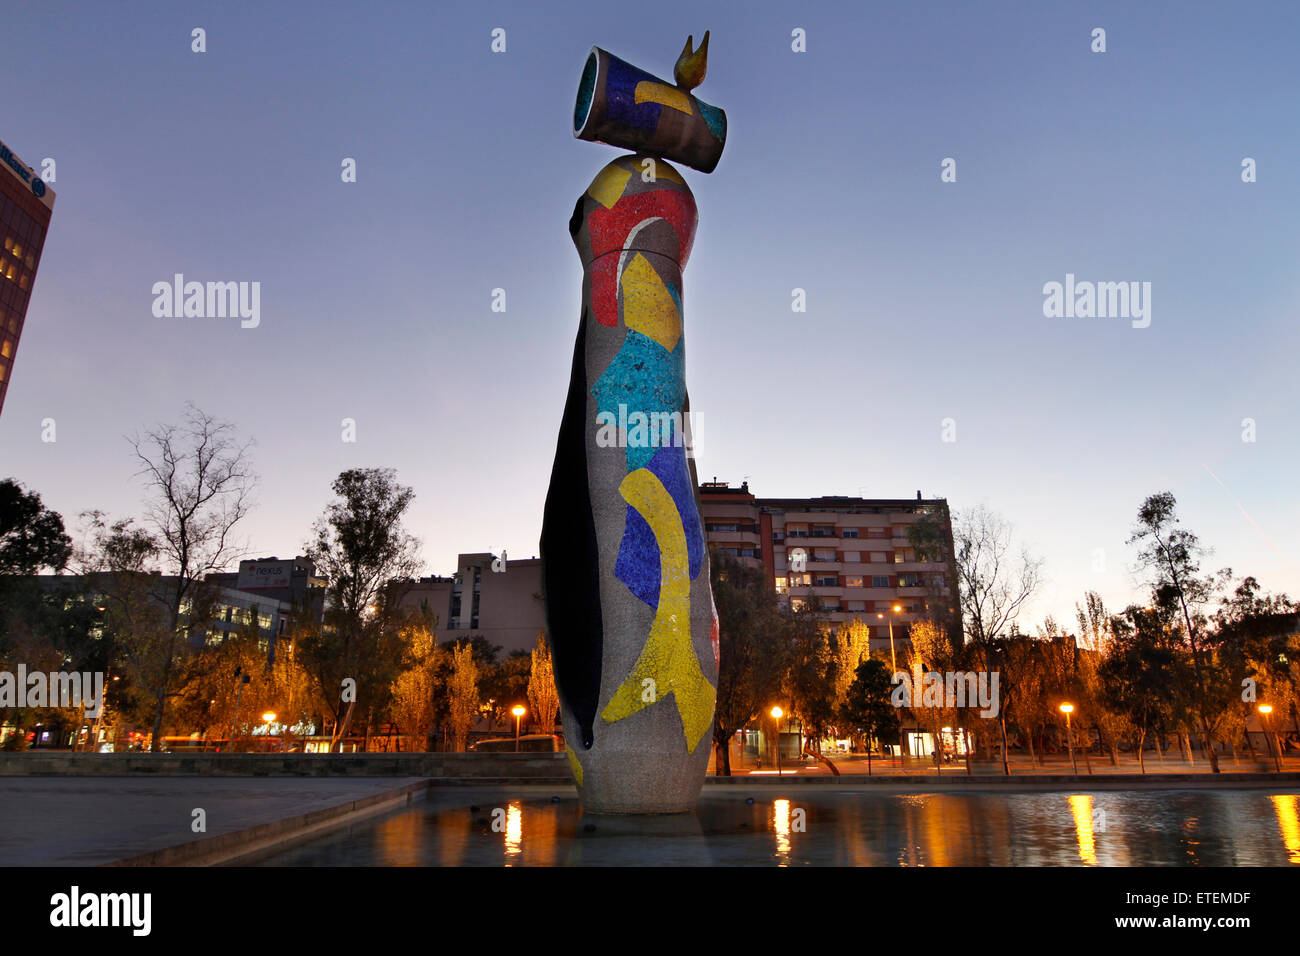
(1068, 709)
(1265, 710)
(777, 713)
(518, 711)
(893, 662)
(268, 718)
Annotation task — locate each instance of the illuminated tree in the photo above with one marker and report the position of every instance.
(462, 695)
(543, 697)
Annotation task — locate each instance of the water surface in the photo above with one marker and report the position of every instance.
(534, 826)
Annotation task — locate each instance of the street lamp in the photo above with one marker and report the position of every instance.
(1265, 710)
(777, 714)
(896, 609)
(268, 718)
(518, 711)
(1068, 709)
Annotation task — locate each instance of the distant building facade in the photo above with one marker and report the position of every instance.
(497, 597)
(26, 205)
(853, 556)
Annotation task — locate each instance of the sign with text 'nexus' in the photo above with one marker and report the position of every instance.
(260, 575)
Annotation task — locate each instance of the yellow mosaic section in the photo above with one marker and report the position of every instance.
(608, 185)
(647, 91)
(648, 307)
(575, 766)
(668, 658)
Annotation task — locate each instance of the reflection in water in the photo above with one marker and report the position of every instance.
(455, 827)
(781, 827)
(1081, 809)
(514, 831)
(1287, 808)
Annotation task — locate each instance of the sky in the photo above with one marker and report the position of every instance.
(924, 298)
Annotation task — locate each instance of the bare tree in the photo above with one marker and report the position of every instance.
(199, 483)
(995, 580)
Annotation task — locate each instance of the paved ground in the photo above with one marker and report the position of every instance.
(86, 821)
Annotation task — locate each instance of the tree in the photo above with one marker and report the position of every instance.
(32, 539)
(462, 694)
(361, 546)
(1171, 557)
(994, 581)
(929, 649)
(199, 483)
(1260, 632)
(1137, 672)
(416, 687)
(852, 647)
(119, 563)
(867, 707)
(753, 649)
(543, 696)
(32, 536)
(809, 679)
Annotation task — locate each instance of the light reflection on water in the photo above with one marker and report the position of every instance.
(810, 826)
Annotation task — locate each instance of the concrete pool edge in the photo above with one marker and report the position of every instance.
(1031, 782)
(251, 842)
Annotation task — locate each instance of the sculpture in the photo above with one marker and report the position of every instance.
(625, 568)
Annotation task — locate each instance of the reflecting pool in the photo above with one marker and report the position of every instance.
(807, 825)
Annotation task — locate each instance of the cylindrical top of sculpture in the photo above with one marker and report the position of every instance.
(624, 562)
(624, 106)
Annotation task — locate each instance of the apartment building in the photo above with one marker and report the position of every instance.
(853, 557)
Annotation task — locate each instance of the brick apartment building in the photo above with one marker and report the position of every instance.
(852, 556)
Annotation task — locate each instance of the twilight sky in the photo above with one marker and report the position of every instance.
(924, 298)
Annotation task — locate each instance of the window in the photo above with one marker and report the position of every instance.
(901, 556)
(853, 557)
(853, 581)
(828, 580)
(7, 349)
(880, 582)
(879, 557)
(823, 554)
(911, 580)
(877, 532)
(780, 582)
(849, 533)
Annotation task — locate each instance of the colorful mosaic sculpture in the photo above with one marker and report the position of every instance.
(624, 563)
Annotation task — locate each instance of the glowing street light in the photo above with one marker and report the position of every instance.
(268, 718)
(1265, 710)
(777, 714)
(1068, 709)
(518, 711)
(896, 609)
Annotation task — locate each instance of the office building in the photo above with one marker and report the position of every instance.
(26, 204)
